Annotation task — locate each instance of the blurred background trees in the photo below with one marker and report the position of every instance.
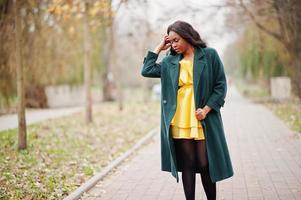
(52, 45)
(268, 42)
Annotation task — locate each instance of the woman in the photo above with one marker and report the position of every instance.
(193, 88)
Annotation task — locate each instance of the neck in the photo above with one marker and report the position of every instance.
(189, 53)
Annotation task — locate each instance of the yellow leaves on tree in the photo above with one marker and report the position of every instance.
(67, 9)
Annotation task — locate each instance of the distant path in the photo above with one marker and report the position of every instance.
(36, 115)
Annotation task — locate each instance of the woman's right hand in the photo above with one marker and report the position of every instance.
(164, 44)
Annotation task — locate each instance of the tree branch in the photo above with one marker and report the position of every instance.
(260, 26)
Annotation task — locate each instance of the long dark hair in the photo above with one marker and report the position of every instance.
(188, 33)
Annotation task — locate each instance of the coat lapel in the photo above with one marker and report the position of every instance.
(174, 72)
(199, 63)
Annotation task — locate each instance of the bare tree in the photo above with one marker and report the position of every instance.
(116, 69)
(87, 65)
(109, 56)
(108, 41)
(20, 79)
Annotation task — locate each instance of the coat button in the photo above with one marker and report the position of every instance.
(164, 101)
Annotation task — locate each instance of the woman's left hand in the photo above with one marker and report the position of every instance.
(201, 113)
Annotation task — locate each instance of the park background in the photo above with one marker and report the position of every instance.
(83, 59)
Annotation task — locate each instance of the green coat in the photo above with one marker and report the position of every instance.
(209, 83)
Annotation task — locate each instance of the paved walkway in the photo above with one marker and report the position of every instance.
(35, 115)
(266, 157)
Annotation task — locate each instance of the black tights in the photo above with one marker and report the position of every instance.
(193, 156)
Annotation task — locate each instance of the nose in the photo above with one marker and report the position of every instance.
(174, 46)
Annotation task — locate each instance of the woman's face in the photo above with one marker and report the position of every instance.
(177, 42)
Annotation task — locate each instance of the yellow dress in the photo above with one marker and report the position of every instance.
(184, 123)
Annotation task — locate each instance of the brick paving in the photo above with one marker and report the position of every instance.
(266, 157)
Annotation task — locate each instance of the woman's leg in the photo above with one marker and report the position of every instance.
(186, 147)
(202, 163)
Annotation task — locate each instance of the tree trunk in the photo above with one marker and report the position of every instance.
(115, 68)
(108, 83)
(296, 74)
(108, 77)
(20, 79)
(87, 66)
(147, 86)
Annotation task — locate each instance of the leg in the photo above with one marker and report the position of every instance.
(186, 147)
(202, 163)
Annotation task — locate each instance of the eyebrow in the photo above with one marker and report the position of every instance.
(176, 37)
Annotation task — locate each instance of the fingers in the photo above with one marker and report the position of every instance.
(200, 114)
(164, 43)
(167, 45)
(198, 110)
(165, 38)
(200, 117)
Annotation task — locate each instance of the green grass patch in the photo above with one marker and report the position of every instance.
(63, 153)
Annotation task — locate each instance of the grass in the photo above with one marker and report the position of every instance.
(289, 111)
(63, 153)
(8, 105)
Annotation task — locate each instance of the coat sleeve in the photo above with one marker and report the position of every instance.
(150, 68)
(217, 98)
